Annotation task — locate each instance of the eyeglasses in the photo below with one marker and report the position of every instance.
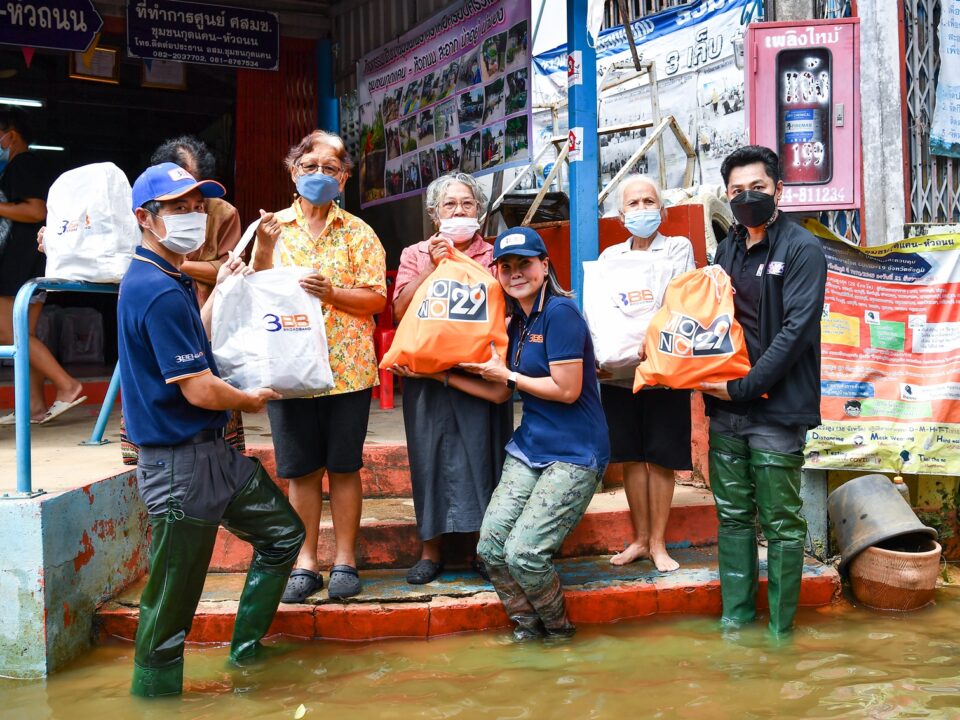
(311, 169)
(469, 206)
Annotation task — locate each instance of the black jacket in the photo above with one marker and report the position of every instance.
(786, 366)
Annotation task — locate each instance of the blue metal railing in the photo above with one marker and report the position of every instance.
(20, 352)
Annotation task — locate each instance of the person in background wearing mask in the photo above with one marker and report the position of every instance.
(190, 480)
(455, 440)
(649, 430)
(24, 187)
(326, 433)
(223, 220)
(758, 423)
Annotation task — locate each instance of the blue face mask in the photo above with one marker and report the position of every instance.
(318, 189)
(642, 223)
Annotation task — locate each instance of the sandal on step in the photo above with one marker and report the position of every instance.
(423, 572)
(344, 582)
(301, 585)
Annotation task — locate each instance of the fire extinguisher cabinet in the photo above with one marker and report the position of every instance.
(803, 100)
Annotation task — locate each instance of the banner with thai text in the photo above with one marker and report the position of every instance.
(450, 95)
(204, 34)
(890, 374)
(945, 130)
(697, 50)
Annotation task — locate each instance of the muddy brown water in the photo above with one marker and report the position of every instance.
(842, 662)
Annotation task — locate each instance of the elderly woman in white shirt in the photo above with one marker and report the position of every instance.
(649, 430)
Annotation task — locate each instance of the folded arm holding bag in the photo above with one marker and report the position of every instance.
(694, 338)
(453, 317)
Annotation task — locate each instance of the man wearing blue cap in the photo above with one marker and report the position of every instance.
(174, 403)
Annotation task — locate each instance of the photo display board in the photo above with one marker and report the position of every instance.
(451, 95)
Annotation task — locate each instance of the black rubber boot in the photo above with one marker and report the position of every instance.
(516, 604)
(261, 515)
(733, 493)
(777, 478)
(552, 609)
(180, 550)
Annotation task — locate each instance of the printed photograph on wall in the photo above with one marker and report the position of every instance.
(393, 141)
(492, 56)
(428, 167)
(517, 90)
(445, 125)
(492, 138)
(448, 157)
(425, 129)
(411, 98)
(493, 101)
(408, 135)
(391, 105)
(469, 73)
(517, 46)
(471, 109)
(373, 153)
(470, 153)
(517, 139)
(394, 177)
(411, 174)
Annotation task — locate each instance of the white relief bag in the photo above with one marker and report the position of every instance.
(269, 332)
(91, 231)
(620, 296)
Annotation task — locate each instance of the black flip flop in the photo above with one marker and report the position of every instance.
(344, 582)
(302, 584)
(423, 572)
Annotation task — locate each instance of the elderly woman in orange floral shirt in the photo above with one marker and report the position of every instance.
(326, 433)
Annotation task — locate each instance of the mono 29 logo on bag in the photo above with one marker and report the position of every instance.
(452, 300)
(685, 337)
(287, 323)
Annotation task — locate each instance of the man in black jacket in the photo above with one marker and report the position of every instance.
(758, 423)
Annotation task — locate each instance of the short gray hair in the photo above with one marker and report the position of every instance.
(438, 189)
(636, 178)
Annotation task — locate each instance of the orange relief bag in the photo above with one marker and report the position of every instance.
(694, 337)
(453, 317)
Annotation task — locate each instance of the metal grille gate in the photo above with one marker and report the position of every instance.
(934, 180)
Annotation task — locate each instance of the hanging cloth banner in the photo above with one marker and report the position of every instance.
(453, 94)
(890, 357)
(945, 131)
(697, 50)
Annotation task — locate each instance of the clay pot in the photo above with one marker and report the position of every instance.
(869, 511)
(901, 576)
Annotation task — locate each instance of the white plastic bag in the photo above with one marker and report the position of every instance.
(620, 296)
(269, 332)
(91, 232)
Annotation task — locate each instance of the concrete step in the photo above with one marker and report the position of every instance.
(388, 607)
(388, 532)
(386, 471)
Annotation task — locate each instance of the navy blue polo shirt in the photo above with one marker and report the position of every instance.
(161, 340)
(552, 431)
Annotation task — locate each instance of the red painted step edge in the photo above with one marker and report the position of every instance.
(360, 621)
(395, 544)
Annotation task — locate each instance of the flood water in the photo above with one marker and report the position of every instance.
(842, 662)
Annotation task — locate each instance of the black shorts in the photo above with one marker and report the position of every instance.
(310, 434)
(649, 426)
(19, 261)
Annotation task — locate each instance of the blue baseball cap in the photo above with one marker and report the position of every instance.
(519, 241)
(168, 181)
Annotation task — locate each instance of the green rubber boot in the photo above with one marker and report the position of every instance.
(777, 477)
(180, 551)
(261, 515)
(733, 490)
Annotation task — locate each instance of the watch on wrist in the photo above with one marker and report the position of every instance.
(512, 381)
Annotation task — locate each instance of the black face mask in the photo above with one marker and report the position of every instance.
(753, 208)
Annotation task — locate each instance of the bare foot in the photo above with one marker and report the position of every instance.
(663, 561)
(633, 553)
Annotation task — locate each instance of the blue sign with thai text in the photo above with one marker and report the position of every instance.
(206, 34)
(55, 24)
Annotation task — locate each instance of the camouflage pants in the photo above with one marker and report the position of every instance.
(529, 516)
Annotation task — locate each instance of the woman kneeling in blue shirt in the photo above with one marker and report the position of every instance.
(556, 457)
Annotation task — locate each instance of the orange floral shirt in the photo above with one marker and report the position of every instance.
(349, 253)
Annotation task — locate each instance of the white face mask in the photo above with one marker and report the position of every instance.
(459, 229)
(185, 233)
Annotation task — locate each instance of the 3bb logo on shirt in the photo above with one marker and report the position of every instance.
(685, 337)
(287, 323)
(451, 300)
